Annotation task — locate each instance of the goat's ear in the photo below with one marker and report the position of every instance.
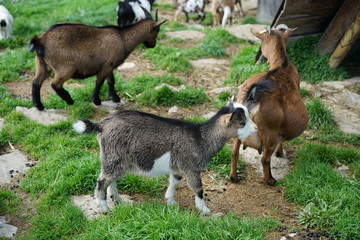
(289, 32)
(257, 34)
(159, 24)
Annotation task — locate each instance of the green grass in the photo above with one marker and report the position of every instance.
(329, 199)
(249, 20)
(319, 114)
(243, 65)
(313, 67)
(9, 202)
(157, 221)
(175, 59)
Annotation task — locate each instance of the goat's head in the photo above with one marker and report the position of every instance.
(238, 123)
(131, 12)
(273, 38)
(150, 39)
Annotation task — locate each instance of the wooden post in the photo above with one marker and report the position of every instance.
(342, 49)
(338, 25)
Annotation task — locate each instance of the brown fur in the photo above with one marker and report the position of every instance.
(280, 115)
(73, 50)
(217, 9)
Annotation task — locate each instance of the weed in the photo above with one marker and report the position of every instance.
(9, 202)
(167, 97)
(319, 114)
(221, 99)
(249, 20)
(157, 221)
(243, 65)
(313, 67)
(328, 198)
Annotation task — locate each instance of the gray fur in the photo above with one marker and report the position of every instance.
(131, 141)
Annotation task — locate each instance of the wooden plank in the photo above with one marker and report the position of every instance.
(342, 49)
(336, 29)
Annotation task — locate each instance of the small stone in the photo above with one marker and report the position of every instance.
(174, 109)
(292, 235)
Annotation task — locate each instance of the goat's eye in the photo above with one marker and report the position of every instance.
(242, 124)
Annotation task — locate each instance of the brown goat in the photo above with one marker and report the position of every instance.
(279, 112)
(74, 50)
(222, 10)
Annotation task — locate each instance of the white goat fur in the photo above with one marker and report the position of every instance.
(7, 20)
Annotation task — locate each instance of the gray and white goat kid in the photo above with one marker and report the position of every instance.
(132, 11)
(6, 21)
(150, 145)
(74, 50)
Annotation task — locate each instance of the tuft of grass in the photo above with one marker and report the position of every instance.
(313, 67)
(144, 82)
(14, 62)
(9, 202)
(243, 65)
(63, 221)
(329, 199)
(331, 134)
(319, 114)
(208, 21)
(157, 221)
(170, 58)
(221, 99)
(167, 97)
(249, 20)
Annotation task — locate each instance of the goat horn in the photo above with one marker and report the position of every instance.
(156, 14)
(268, 29)
(282, 26)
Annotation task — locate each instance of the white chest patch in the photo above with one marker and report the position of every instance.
(161, 167)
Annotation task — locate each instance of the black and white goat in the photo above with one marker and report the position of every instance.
(150, 145)
(6, 21)
(191, 6)
(132, 11)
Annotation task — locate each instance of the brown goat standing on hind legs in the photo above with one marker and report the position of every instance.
(74, 50)
(279, 112)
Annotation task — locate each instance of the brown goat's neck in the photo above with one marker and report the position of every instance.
(278, 59)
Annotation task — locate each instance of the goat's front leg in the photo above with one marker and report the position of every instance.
(174, 180)
(111, 83)
(95, 95)
(234, 160)
(194, 182)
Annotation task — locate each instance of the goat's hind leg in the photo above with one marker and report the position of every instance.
(41, 75)
(111, 83)
(174, 180)
(57, 85)
(103, 183)
(194, 182)
(113, 192)
(269, 148)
